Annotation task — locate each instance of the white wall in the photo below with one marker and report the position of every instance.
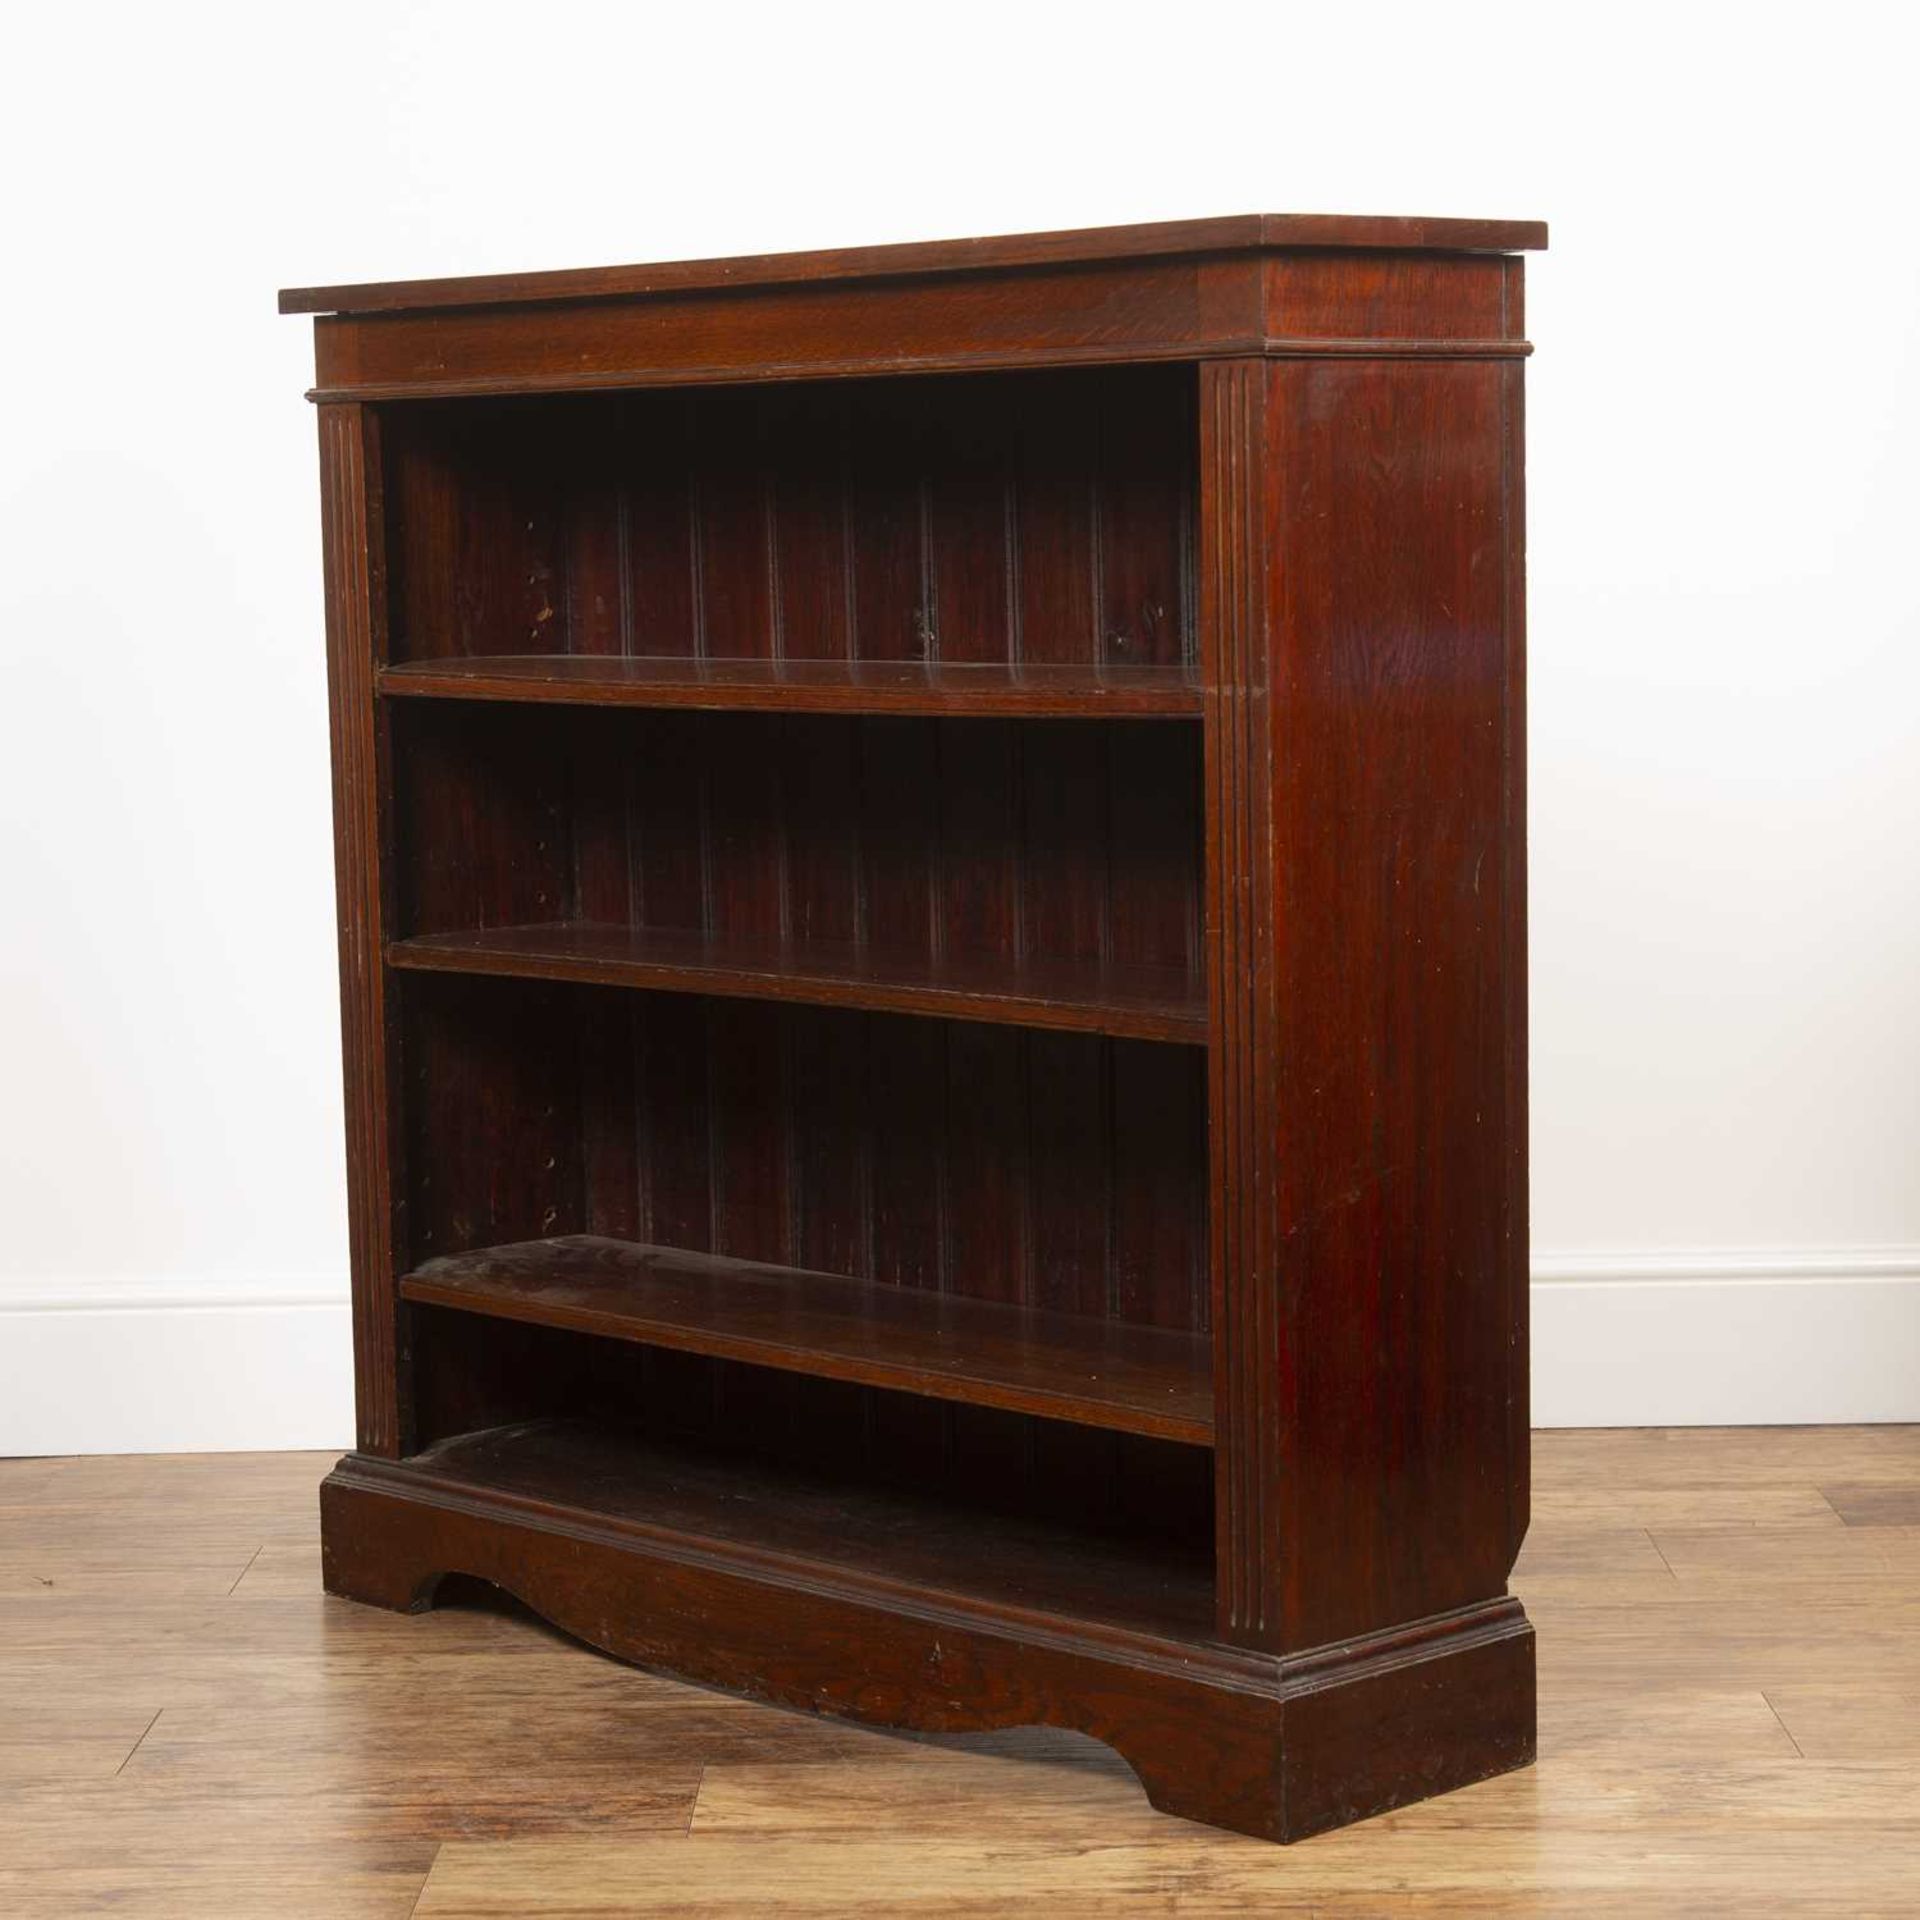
(1726, 615)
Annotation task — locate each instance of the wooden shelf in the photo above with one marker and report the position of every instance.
(1097, 1373)
(1141, 1003)
(1221, 238)
(807, 686)
(790, 1522)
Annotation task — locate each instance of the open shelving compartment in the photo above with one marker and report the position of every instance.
(795, 928)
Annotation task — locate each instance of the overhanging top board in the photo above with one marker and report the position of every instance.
(1236, 233)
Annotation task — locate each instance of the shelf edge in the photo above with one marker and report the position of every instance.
(817, 1363)
(1182, 1027)
(1112, 701)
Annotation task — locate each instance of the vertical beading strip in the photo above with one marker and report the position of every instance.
(349, 479)
(1242, 1024)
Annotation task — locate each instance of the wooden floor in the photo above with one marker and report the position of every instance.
(1729, 1715)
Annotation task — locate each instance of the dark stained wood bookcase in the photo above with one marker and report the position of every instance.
(932, 933)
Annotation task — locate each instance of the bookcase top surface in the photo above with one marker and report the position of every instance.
(1234, 233)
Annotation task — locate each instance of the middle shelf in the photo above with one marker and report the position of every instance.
(1099, 1373)
(1005, 688)
(1129, 1002)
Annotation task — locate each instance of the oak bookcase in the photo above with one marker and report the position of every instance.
(931, 876)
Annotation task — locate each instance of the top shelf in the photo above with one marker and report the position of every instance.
(807, 686)
(1012, 252)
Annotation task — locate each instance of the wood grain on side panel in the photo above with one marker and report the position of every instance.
(1396, 941)
(1360, 620)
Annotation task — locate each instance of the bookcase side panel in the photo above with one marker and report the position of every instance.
(352, 546)
(1393, 815)
(1361, 620)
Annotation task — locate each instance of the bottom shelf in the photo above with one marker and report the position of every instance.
(1099, 1373)
(800, 1522)
(907, 1612)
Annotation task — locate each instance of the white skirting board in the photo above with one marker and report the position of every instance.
(117, 1367)
(1743, 1338)
(1753, 1337)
